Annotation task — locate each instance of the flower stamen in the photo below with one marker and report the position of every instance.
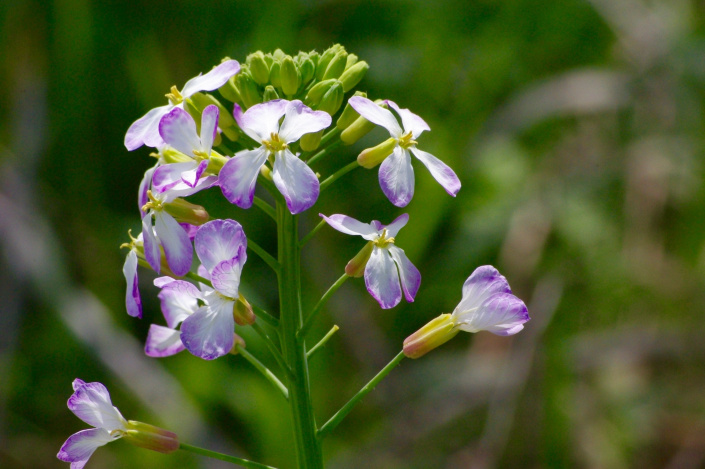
(406, 141)
(275, 143)
(174, 96)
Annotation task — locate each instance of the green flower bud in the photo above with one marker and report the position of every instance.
(192, 109)
(352, 76)
(174, 156)
(269, 94)
(315, 94)
(275, 77)
(333, 99)
(310, 142)
(371, 157)
(348, 116)
(355, 131)
(308, 70)
(248, 89)
(148, 436)
(325, 59)
(225, 118)
(336, 66)
(215, 163)
(230, 92)
(351, 60)
(186, 212)
(278, 55)
(314, 57)
(258, 68)
(432, 335)
(356, 266)
(290, 76)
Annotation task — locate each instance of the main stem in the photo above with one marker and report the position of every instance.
(308, 449)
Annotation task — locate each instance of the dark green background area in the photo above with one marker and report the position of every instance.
(576, 128)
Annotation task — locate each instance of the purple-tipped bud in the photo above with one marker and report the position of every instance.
(371, 157)
(242, 312)
(148, 436)
(356, 266)
(432, 335)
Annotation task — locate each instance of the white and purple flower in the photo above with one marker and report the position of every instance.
(487, 305)
(294, 179)
(388, 271)
(133, 300)
(396, 175)
(145, 130)
(91, 403)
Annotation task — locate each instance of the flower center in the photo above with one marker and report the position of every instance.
(406, 141)
(200, 155)
(154, 203)
(174, 96)
(383, 241)
(275, 143)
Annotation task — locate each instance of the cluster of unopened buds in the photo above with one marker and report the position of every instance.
(270, 121)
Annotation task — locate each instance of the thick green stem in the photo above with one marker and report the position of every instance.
(308, 449)
(224, 457)
(345, 410)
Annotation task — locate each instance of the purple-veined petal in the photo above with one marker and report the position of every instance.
(296, 181)
(179, 300)
(162, 342)
(409, 274)
(396, 177)
(145, 130)
(440, 171)
(151, 246)
(211, 80)
(301, 119)
(502, 314)
(161, 282)
(238, 176)
(226, 277)
(178, 129)
(218, 241)
(181, 189)
(209, 332)
(261, 120)
(484, 282)
(382, 278)
(91, 403)
(209, 127)
(398, 223)
(145, 184)
(376, 114)
(191, 177)
(349, 225)
(190, 230)
(80, 446)
(411, 122)
(169, 175)
(133, 302)
(174, 240)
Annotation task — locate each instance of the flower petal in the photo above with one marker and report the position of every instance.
(382, 279)
(80, 446)
(191, 177)
(301, 119)
(211, 80)
(238, 176)
(175, 242)
(133, 302)
(261, 120)
(178, 129)
(484, 282)
(396, 177)
(162, 342)
(440, 171)
(411, 122)
(376, 114)
(145, 130)
(91, 403)
(349, 225)
(151, 246)
(179, 300)
(209, 127)
(226, 277)
(296, 181)
(167, 176)
(218, 241)
(409, 274)
(145, 184)
(209, 332)
(398, 223)
(502, 314)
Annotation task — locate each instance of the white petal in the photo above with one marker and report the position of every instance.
(409, 274)
(398, 223)
(150, 243)
(209, 332)
(349, 225)
(209, 127)
(168, 176)
(502, 314)
(396, 177)
(91, 403)
(80, 446)
(162, 342)
(238, 176)
(179, 300)
(411, 122)
(133, 302)
(440, 171)
(174, 240)
(376, 114)
(301, 119)
(145, 130)
(178, 129)
(262, 120)
(218, 241)
(211, 80)
(226, 277)
(484, 282)
(382, 278)
(296, 181)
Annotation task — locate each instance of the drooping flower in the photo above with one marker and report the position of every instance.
(91, 403)
(388, 271)
(294, 179)
(178, 130)
(487, 305)
(145, 130)
(396, 175)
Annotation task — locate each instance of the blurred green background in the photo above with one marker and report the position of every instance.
(576, 128)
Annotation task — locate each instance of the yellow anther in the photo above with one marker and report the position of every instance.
(201, 155)
(383, 241)
(174, 96)
(153, 203)
(275, 143)
(406, 141)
